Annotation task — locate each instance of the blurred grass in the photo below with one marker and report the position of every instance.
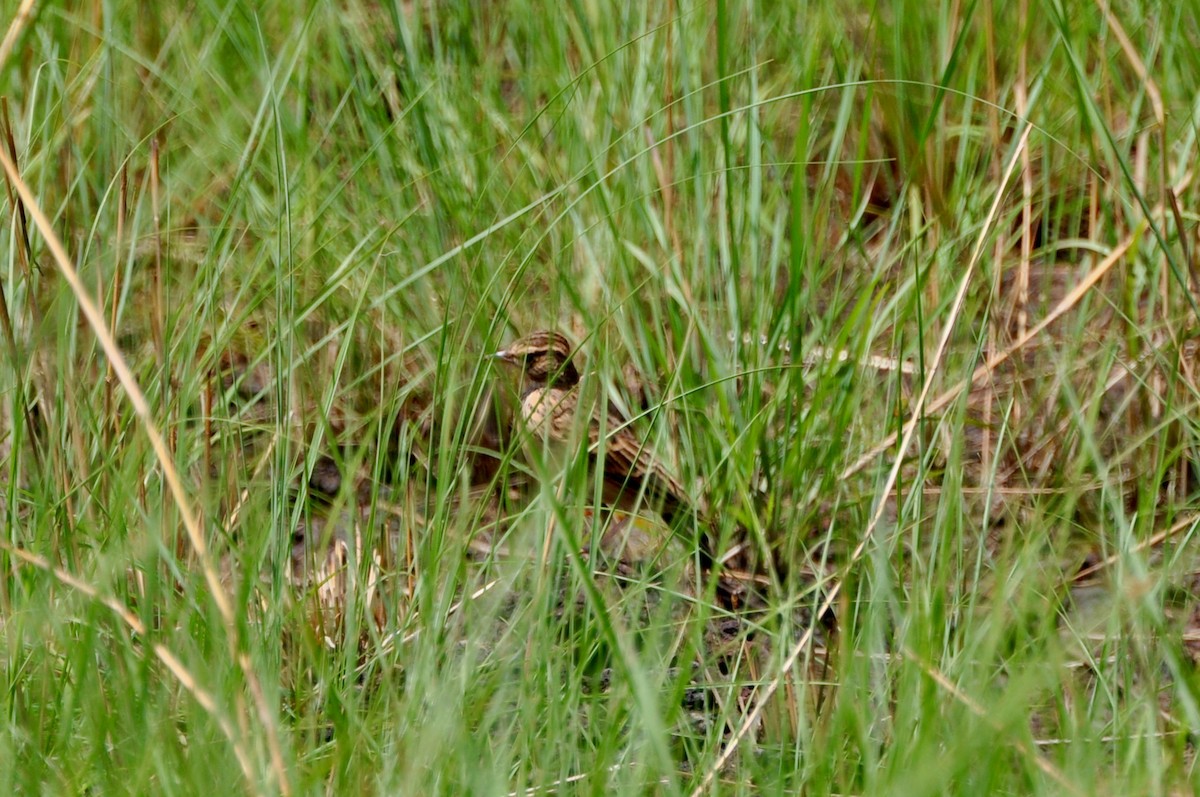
(367, 199)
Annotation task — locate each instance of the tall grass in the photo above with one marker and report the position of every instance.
(307, 227)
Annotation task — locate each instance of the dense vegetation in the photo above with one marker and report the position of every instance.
(905, 293)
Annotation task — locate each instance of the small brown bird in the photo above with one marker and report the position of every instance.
(549, 406)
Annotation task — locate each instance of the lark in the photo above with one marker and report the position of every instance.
(550, 405)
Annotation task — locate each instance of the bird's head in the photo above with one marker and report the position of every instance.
(544, 357)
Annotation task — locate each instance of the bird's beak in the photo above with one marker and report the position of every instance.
(505, 356)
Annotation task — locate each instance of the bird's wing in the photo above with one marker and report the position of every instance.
(628, 460)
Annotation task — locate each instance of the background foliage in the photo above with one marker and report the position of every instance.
(770, 225)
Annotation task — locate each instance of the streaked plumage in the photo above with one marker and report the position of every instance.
(549, 405)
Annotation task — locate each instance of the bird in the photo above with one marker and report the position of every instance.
(550, 403)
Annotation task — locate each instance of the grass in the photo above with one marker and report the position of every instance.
(825, 253)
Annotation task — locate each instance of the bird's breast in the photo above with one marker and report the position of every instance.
(548, 412)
